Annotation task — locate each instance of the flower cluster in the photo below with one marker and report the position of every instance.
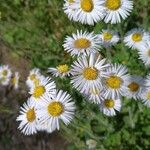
(8, 78)
(93, 11)
(45, 107)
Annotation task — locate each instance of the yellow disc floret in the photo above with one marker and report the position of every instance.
(90, 73)
(114, 82)
(38, 91)
(82, 43)
(137, 37)
(63, 68)
(14, 80)
(109, 103)
(5, 72)
(107, 36)
(31, 115)
(148, 95)
(55, 109)
(133, 86)
(87, 5)
(113, 4)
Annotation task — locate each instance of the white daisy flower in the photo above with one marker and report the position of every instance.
(28, 118)
(110, 106)
(60, 71)
(115, 82)
(15, 80)
(89, 11)
(108, 37)
(82, 43)
(33, 77)
(87, 73)
(135, 38)
(145, 96)
(117, 10)
(46, 87)
(4, 81)
(144, 53)
(59, 107)
(135, 86)
(69, 11)
(5, 71)
(95, 95)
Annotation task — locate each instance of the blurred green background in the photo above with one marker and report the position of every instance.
(34, 30)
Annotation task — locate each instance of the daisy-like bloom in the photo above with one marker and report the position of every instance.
(89, 11)
(145, 96)
(135, 38)
(46, 87)
(4, 81)
(82, 43)
(28, 118)
(110, 106)
(15, 80)
(144, 53)
(135, 86)
(95, 95)
(69, 11)
(109, 38)
(117, 10)
(33, 77)
(60, 71)
(5, 71)
(115, 82)
(59, 107)
(87, 73)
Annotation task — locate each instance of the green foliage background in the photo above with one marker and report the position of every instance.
(35, 30)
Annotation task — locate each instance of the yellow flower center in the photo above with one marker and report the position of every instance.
(5, 72)
(133, 86)
(38, 91)
(90, 73)
(109, 103)
(113, 4)
(107, 36)
(136, 37)
(31, 115)
(63, 68)
(33, 76)
(82, 43)
(114, 82)
(71, 1)
(55, 109)
(148, 95)
(148, 52)
(14, 80)
(87, 5)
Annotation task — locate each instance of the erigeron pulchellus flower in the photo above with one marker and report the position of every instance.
(115, 82)
(108, 37)
(60, 71)
(95, 95)
(46, 87)
(89, 11)
(116, 10)
(69, 10)
(144, 53)
(4, 81)
(135, 38)
(15, 80)
(33, 77)
(5, 71)
(82, 43)
(135, 86)
(59, 107)
(87, 72)
(109, 106)
(145, 96)
(28, 118)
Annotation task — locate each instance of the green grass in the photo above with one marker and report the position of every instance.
(35, 30)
